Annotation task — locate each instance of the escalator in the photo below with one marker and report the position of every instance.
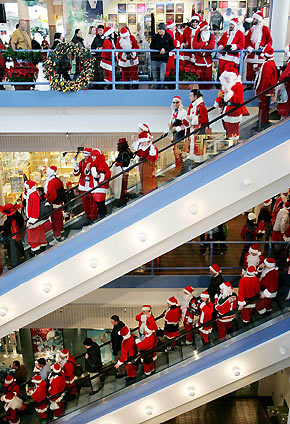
(190, 199)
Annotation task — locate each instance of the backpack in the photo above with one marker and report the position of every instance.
(45, 209)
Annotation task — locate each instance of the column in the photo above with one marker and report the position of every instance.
(278, 27)
(51, 20)
(23, 13)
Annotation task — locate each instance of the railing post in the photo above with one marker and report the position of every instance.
(270, 249)
(152, 267)
(113, 71)
(241, 64)
(210, 253)
(177, 70)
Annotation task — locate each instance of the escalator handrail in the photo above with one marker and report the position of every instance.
(196, 131)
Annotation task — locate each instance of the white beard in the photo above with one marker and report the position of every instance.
(228, 80)
(256, 35)
(125, 43)
(16, 403)
(184, 304)
(253, 260)
(265, 272)
(205, 35)
(62, 362)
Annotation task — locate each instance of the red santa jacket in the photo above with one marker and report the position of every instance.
(106, 62)
(56, 388)
(203, 58)
(12, 415)
(151, 153)
(187, 38)
(234, 96)
(267, 76)
(33, 209)
(85, 181)
(269, 283)
(149, 342)
(257, 38)
(284, 108)
(141, 324)
(236, 39)
(250, 260)
(205, 315)
(224, 306)
(39, 396)
(172, 318)
(278, 205)
(128, 349)
(198, 112)
(12, 388)
(68, 370)
(249, 287)
(127, 59)
(52, 192)
(100, 172)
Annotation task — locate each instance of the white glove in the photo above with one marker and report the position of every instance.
(76, 167)
(250, 49)
(152, 150)
(220, 47)
(143, 318)
(138, 341)
(189, 320)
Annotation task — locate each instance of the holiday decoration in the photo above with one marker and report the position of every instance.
(61, 58)
(30, 3)
(22, 72)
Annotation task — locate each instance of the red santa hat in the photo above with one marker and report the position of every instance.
(96, 152)
(36, 379)
(270, 263)
(64, 353)
(258, 15)
(9, 209)
(29, 185)
(87, 151)
(251, 271)
(144, 127)
(108, 31)
(170, 24)
(231, 69)
(287, 50)
(268, 202)
(215, 268)
(172, 301)
(267, 51)
(176, 98)
(124, 32)
(144, 136)
(146, 308)
(56, 368)
(188, 290)
(287, 205)
(234, 21)
(9, 380)
(51, 170)
(204, 26)
(125, 332)
(122, 140)
(8, 397)
(204, 295)
(254, 249)
(195, 17)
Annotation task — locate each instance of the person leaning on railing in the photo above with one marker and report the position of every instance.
(20, 39)
(231, 40)
(163, 42)
(128, 61)
(204, 40)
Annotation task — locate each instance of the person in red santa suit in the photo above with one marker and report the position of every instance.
(269, 285)
(149, 342)
(266, 77)
(128, 350)
(188, 310)
(56, 390)
(196, 117)
(249, 288)
(284, 108)
(146, 150)
(205, 315)
(106, 61)
(12, 407)
(128, 61)
(252, 258)
(39, 396)
(83, 169)
(187, 59)
(176, 37)
(225, 302)
(54, 193)
(36, 228)
(204, 40)
(279, 203)
(145, 318)
(10, 386)
(67, 363)
(229, 97)
(178, 113)
(231, 40)
(100, 173)
(281, 223)
(171, 321)
(257, 38)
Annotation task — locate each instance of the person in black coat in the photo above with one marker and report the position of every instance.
(58, 38)
(77, 38)
(163, 42)
(97, 44)
(123, 160)
(216, 280)
(12, 224)
(93, 363)
(116, 340)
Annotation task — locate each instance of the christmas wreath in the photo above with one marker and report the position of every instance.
(59, 63)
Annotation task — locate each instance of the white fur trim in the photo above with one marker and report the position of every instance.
(106, 66)
(228, 95)
(258, 17)
(268, 294)
(233, 119)
(109, 32)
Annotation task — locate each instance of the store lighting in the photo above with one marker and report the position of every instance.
(148, 411)
(3, 312)
(193, 209)
(47, 288)
(283, 350)
(142, 237)
(191, 391)
(236, 372)
(247, 182)
(94, 263)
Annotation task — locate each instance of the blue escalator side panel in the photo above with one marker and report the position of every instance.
(148, 205)
(173, 376)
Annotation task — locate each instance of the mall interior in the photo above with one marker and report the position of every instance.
(138, 213)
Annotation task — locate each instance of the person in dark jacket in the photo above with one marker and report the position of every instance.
(93, 363)
(97, 44)
(58, 38)
(123, 161)
(163, 42)
(77, 38)
(21, 372)
(249, 234)
(116, 340)
(265, 215)
(98, 41)
(13, 224)
(216, 280)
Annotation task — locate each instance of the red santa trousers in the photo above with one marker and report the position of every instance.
(264, 305)
(246, 314)
(170, 65)
(277, 236)
(252, 69)
(108, 75)
(72, 386)
(264, 108)
(57, 223)
(130, 73)
(99, 197)
(42, 415)
(36, 237)
(59, 412)
(205, 75)
(148, 368)
(205, 337)
(124, 187)
(223, 63)
(188, 327)
(222, 328)
(131, 370)
(90, 207)
(231, 128)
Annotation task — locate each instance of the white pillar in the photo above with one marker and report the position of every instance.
(279, 23)
(51, 20)
(23, 13)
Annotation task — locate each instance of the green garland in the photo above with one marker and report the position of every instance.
(63, 53)
(31, 56)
